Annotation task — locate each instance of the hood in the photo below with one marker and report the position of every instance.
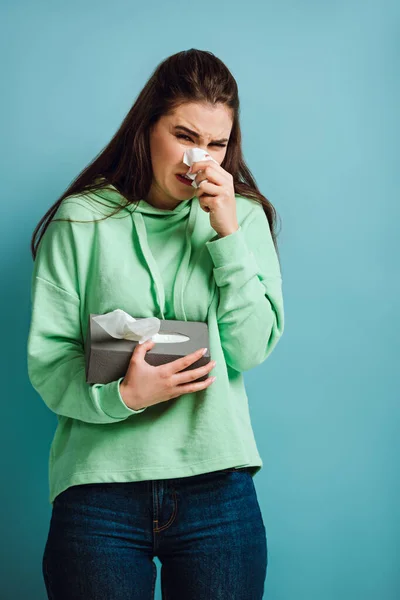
(186, 210)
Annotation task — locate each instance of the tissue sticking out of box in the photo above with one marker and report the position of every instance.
(120, 324)
(194, 155)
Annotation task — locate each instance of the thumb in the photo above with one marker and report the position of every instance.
(141, 349)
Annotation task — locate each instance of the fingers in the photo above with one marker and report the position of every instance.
(188, 388)
(181, 363)
(141, 349)
(192, 374)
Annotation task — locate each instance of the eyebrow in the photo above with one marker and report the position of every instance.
(196, 135)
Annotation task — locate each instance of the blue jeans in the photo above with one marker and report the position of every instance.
(206, 530)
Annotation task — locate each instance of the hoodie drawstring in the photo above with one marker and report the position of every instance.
(181, 276)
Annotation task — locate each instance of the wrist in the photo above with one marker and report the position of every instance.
(132, 403)
(228, 232)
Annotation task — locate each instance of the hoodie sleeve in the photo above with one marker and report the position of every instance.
(250, 310)
(55, 346)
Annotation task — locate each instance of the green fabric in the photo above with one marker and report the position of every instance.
(151, 262)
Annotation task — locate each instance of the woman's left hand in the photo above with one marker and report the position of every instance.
(216, 196)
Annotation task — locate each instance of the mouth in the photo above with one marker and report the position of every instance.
(183, 179)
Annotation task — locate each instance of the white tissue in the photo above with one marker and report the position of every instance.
(194, 155)
(119, 324)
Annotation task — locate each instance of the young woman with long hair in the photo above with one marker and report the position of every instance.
(161, 461)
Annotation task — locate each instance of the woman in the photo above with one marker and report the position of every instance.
(157, 463)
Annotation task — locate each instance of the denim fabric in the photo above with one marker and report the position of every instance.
(206, 530)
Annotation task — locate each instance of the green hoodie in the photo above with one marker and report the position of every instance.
(151, 262)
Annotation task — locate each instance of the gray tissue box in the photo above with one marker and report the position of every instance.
(107, 358)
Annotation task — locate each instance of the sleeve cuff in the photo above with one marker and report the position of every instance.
(229, 249)
(113, 404)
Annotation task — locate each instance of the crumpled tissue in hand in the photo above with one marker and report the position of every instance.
(194, 155)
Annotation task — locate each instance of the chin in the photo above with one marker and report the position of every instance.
(183, 194)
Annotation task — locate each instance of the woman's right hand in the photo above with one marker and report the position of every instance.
(145, 385)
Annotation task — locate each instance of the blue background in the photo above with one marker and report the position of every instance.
(319, 90)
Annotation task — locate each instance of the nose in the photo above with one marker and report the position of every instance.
(204, 148)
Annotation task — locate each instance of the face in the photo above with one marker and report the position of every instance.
(169, 139)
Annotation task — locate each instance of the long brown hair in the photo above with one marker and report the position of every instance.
(188, 76)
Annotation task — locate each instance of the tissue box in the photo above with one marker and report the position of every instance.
(107, 358)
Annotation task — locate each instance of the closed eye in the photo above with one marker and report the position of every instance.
(182, 135)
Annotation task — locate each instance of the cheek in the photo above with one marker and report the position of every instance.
(159, 152)
(222, 156)
(167, 155)
(176, 152)
(172, 157)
